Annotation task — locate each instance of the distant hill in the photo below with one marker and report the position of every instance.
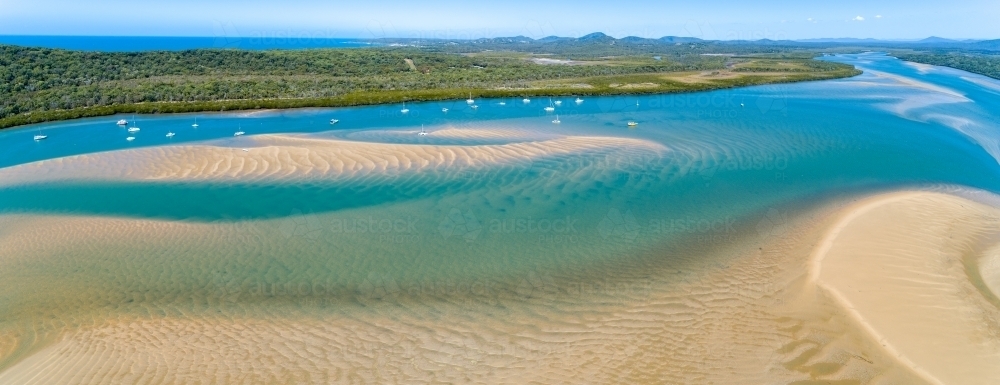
(579, 44)
(991, 45)
(935, 39)
(596, 37)
(678, 39)
(840, 40)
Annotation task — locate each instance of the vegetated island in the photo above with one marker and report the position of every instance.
(42, 84)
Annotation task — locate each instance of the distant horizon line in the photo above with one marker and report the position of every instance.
(309, 37)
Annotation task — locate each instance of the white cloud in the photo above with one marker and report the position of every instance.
(858, 18)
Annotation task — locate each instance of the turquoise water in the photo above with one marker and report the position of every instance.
(785, 148)
(522, 249)
(786, 142)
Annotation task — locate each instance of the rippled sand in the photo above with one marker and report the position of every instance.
(277, 157)
(309, 298)
(752, 316)
(907, 268)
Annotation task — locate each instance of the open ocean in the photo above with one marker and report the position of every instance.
(173, 43)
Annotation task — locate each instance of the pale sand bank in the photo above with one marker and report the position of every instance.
(280, 157)
(750, 314)
(896, 263)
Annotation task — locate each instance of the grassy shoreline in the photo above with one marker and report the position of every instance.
(664, 85)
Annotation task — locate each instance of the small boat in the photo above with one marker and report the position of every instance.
(550, 108)
(632, 124)
(470, 100)
(40, 137)
(502, 103)
(405, 110)
(445, 110)
(422, 132)
(122, 122)
(474, 107)
(239, 133)
(246, 150)
(133, 128)
(558, 102)
(195, 125)
(170, 134)
(131, 138)
(578, 100)
(741, 103)
(526, 100)
(557, 121)
(334, 121)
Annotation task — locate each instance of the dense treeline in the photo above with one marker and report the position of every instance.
(45, 79)
(38, 84)
(988, 65)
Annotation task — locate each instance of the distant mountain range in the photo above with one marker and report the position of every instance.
(601, 38)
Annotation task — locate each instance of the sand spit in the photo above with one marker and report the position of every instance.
(279, 157)
(898, 265)
(910, 82)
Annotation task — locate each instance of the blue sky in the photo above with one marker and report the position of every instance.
(708, 19)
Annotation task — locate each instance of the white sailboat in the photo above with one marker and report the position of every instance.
(131, 138)
(526, 100)
(334, 121)
(422, 132)
(40, 136)
(550, 108)
(474, 107)
(445, 110)
(122, 122)
(405, 110)
(240, 132)
(557, 121)
(170, 134)
(632, 124)
(195, 125)
(503, 103)
(578, 100)
(558, 103)
(133, 129)
(470, 100)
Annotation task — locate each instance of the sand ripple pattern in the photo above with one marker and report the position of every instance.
(154, 310)
(277, 157)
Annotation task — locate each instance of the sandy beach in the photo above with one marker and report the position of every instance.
(820, 302)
